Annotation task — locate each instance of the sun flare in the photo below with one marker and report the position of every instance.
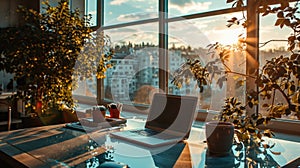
(229, 36)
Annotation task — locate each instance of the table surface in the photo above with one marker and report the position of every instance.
(58, 146)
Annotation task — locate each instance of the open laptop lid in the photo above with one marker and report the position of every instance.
(171, 113)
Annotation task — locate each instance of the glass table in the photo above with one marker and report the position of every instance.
(59, 146)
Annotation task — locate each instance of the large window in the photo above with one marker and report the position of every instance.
(153, 36)
(145, 38)
(138, 29)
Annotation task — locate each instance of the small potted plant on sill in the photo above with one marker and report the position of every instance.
(48, 53)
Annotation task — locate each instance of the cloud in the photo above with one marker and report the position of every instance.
(94, 12)
(136, 37)
(135, 34)
(180, 2)
(188, 33)
(117, 2)
(189, 6)
(123, 30)
(136, 16)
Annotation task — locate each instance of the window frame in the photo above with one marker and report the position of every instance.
(280, 125)
(163, 21)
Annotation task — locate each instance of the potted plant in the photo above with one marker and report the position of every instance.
(249, 139)
(234, 119)
(280, 75)
(49, 53)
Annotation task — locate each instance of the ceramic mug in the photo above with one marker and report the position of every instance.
(98, 113)
(115, 109)
(219, 136)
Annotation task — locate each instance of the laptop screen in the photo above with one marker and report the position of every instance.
(171, 113)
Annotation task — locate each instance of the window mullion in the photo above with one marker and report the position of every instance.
(163, 45)
(252, 51)
(100, 21)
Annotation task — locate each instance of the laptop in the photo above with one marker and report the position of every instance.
(169, 121)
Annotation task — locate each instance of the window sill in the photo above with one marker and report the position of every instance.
(284, 126)
(279, 125)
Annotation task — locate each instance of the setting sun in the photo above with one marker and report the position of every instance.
(229, 36)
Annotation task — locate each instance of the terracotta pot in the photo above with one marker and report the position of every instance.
(69, 116)
(219, 136)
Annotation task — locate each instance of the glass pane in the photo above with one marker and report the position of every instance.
(75, 4)
(117, 11)
(6, 82)
(179, 7)
(91, 9)
(134, 75)
(273, 45)
(85, 6)
(87, 87)
(51, 2)
(190, 39)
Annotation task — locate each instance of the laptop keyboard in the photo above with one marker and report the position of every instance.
(145, 132)
(149, 132)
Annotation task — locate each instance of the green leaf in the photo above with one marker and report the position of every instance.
(268, 133)
(275, 153)
(284, 4)
(260, 121)
(280, 14)
(250, 104)
(265, 13)
(279, 22)
(287, 22)
(265, 105)
(251, 130)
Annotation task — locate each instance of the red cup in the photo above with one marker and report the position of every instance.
(114, 113)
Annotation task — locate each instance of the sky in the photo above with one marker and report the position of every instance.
(195, 33)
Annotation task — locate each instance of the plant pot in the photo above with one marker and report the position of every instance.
(219, 136)
(37, 121)
(69, 116)
(29, 122)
